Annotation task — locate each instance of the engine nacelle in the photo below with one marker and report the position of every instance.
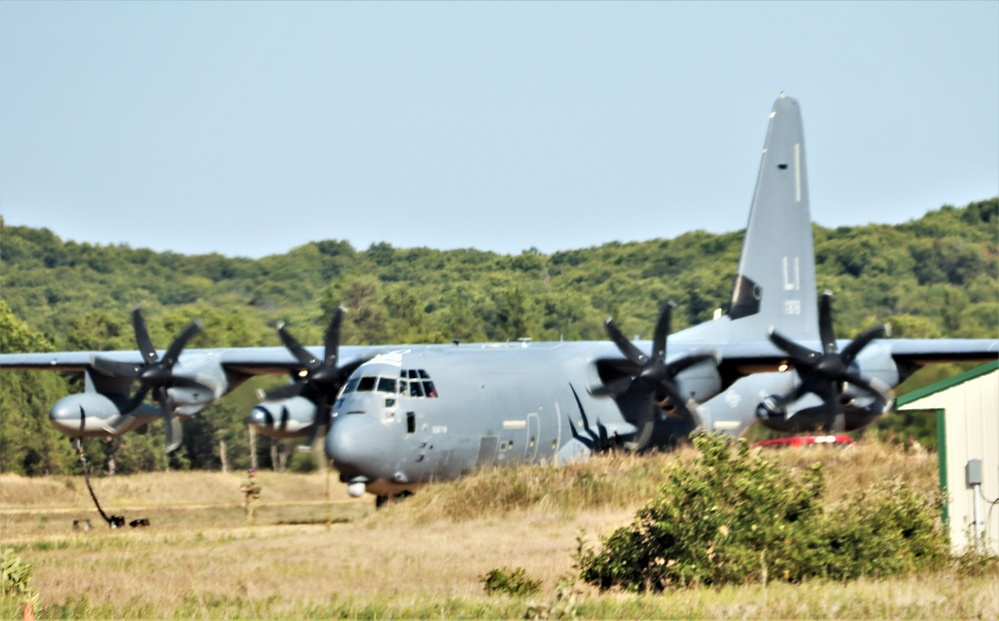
(284, 418)
(204, 369)
(735, 410)
(700, 382)
(91, 414)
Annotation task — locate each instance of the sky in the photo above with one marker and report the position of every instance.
(248, 129)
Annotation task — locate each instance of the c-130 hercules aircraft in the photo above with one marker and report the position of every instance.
(396, 417)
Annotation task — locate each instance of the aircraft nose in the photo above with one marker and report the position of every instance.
(357, 444)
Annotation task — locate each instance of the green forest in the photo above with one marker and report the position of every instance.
(936, 276)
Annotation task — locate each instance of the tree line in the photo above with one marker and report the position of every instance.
(936, 276)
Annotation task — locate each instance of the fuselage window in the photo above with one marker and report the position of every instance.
(428, 389)
(415, 389)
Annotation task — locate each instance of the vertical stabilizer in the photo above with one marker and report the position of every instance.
(775, 284)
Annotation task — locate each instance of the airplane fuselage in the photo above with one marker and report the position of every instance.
(413, 415)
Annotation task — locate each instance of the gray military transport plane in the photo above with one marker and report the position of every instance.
(396, 417)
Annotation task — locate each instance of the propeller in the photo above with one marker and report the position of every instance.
(650, 379)
(155, 375)
(319, 380)
(825, 373)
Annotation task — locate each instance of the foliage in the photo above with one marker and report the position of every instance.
(15, 574)
(510, 581)
(735, 517)
(976, 563)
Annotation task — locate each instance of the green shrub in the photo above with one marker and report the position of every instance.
(734, 517)
(511, 582)
(14, 575)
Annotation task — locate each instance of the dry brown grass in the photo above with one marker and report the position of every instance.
(424, 557)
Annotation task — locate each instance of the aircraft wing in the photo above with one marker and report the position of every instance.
(239, 360)
(935, 351)
(753, 356)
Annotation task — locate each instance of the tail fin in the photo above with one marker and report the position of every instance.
(775, 284)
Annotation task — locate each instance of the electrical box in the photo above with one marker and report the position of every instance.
(973, 472)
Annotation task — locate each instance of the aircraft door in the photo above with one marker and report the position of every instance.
(533, 436)
(488, 446)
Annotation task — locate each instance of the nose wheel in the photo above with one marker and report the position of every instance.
(381, 501)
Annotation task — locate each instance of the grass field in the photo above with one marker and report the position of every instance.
(424, 557)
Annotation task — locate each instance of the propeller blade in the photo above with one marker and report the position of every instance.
(646, 424)
(668, 389)
(175, 434)
(799, 353)
(348, 369)
(301, 354)
(283, 425)
(850, 351)
(136, 400)
(626, 347)
(611, 389)
(826, 332)
(162, 399)
(867, 387)
(331, 339)
(146, 348)
(170, 358)
(662, 331)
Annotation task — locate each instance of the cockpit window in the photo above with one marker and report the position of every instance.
(373, 383)
(416, 383)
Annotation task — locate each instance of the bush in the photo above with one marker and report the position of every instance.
(737, 517)
(511, 582)
(14, 576)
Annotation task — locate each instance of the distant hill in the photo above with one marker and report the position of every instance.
(935, 276)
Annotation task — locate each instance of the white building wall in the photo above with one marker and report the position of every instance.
(971, 428)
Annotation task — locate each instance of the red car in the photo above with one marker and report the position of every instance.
(796, 441)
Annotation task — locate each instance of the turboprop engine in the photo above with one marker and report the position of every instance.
(834, 390)
(106, 408)
(647, 386)
(284, 418)
(301, 409)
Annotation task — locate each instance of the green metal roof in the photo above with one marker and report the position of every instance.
(946, 384)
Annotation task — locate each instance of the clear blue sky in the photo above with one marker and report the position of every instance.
(251, 128)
